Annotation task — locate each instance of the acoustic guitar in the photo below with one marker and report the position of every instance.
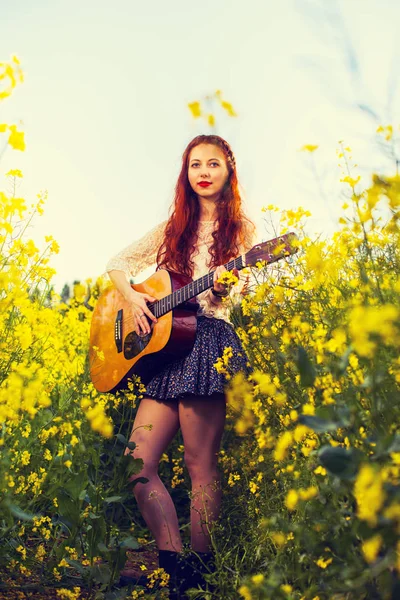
(116, 351)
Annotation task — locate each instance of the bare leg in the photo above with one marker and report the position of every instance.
(154, 501)
(202, 423)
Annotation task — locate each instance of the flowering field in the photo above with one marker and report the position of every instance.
(311, 452)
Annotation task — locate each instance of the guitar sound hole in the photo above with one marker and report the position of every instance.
(134, 344)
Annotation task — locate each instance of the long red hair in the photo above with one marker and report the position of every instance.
(232, 230)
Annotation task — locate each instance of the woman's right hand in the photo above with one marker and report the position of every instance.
(140, 310)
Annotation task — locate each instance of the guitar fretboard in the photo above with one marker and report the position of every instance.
(192, 289)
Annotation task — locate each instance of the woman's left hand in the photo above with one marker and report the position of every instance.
(220, 287)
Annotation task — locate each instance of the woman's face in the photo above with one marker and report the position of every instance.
(207, 164)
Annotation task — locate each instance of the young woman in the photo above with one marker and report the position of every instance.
(206, 229)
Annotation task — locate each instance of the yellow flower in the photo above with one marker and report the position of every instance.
(13, 172)
(371, 547)
(369, 493)
(229, 108)
(309, 493)
(16, 139)
(227, 278)
(282, 445)
(309, 148)
(292, 499)
(65, 594)
(25, 457)
(366, 323)
(63, 563)
(195, 109)
(244, 591)
(323, 563)
(40, 553)
(233, 477)
(257, 579)
(278, 538)
(253, 487)
(72, 552)
(22, 550)
(286, 588)
(350, 180)
(300, 432)
(392, 512)
(320, 471)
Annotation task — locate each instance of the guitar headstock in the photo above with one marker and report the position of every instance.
(272, 250)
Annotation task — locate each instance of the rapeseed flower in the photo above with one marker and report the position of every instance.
(369, 493)
(370, 548)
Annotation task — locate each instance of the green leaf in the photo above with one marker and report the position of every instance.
(101, 573)
(131, 543)
(305, 367)
(20, 514)
(317, 424)
(83, 495)
(69, 507)
(339, 461)
(395, 445)
(134, 466)
(102, 547)
(121, 438)
(76, 484)
(113, 499)
(77, 565)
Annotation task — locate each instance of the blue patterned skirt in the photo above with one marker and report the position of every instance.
(195, 373)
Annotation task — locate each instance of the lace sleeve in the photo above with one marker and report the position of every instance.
(140, 254)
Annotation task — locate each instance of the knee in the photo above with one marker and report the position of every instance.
(199, 465)
(148, 465)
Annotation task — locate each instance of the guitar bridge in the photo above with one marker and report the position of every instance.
(118, 331)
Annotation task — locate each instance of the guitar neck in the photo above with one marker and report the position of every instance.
(192, 289)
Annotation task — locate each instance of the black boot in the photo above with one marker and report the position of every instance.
(197, 565)
(168, 561)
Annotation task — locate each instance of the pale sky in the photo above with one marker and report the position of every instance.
(104, 107)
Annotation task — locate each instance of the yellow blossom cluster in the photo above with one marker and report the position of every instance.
(321, 405)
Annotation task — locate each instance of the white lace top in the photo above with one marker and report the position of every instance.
(142, 253)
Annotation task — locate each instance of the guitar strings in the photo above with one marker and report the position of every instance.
(205, 279)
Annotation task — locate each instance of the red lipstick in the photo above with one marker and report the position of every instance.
(204, 183)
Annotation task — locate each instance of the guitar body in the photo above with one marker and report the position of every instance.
(116, 352)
